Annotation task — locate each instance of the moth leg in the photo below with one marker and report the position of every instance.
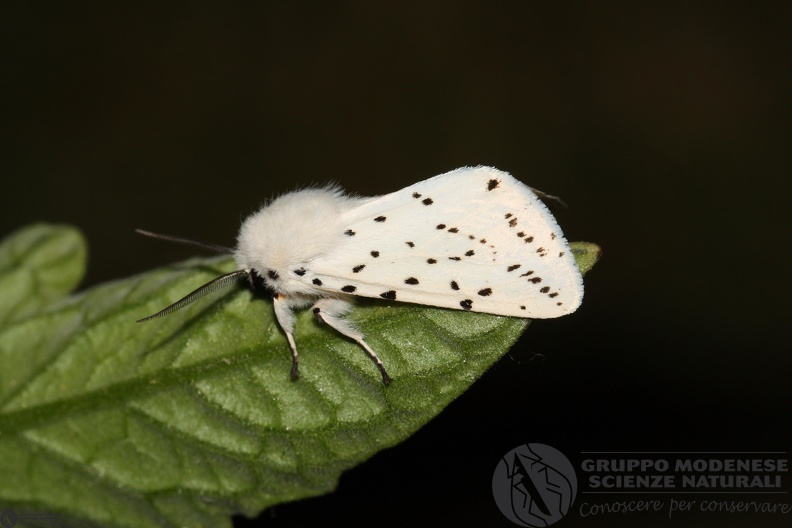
(285, 315)
(332, 311)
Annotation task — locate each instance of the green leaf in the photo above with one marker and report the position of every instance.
(38, 266)
(188, 419)
(586, 255)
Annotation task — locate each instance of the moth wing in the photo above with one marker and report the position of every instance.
(474, 238)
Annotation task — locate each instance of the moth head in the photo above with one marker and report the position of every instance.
(260, 284)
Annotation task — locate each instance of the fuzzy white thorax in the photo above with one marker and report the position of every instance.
(290, 232)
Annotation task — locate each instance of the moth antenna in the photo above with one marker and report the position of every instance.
(201, 244)
(550, 200)
(213, 285)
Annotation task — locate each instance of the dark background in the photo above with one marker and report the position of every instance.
(665, 127)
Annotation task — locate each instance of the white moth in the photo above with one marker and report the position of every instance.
(471, 239)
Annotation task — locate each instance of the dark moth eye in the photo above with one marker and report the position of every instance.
(260, 285)
(257, 282)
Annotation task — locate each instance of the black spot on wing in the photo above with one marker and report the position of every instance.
(453, 230)
(390, 295)
(431, 261)
(544, 289)
(411, 244)
(427, 201)
(535, 280)
(486, 292)
(454, 258)
(358, 268)
(411, 280)
(512, 222)
(467, 304)
(349, 288)
(529, 240)
(513, 267)
(349, 232)
(527, 273)
(441, 226)
(554, 294)
(300, 272)
(416, 195)
(380, 219)
(454, 285)
(508, 215)
(470, 253)
(318, 282)
(492, 184)
(375, 254)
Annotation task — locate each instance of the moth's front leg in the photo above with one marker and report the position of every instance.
(284, 313)
(332, 312)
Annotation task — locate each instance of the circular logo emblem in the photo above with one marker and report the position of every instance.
(8, 519)
(534, 485)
